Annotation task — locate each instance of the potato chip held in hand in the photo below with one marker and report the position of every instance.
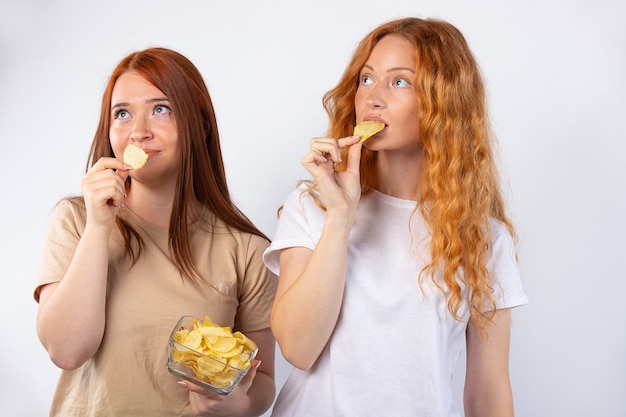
(209, 355)
(134, 156)
(367, 129)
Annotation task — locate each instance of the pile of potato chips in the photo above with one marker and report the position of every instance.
(215, 355)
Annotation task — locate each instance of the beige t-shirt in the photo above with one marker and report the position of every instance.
(128, 375)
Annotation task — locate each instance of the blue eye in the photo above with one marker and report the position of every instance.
(366, 80)
(161, 109)
(401, 82)
(121, 114)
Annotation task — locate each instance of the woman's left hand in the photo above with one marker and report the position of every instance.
(208, 403)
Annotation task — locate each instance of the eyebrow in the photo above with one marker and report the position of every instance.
(392, 69)
(152, 100)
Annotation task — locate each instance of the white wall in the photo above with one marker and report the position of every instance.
(555, 72)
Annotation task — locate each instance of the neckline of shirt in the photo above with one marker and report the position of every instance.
(146, 225)
(400, 202)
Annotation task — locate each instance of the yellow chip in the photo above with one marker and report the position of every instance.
(135, 156)
(244, 357)
(238, 362)
(224, 344)
(181, 335)
(235, 351)
(245, 341)
(192, 340)
(210, 364)
(214, 331)
(223, 380)
(367, 129)
(180, 355)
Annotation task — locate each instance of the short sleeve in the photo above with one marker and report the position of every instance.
(66, 225)
(294, 228)
(504, 269)
(257, 289)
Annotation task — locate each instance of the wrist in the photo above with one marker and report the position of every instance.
(96, 231)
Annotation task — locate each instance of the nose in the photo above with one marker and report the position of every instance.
(141, 129)
(375, 98)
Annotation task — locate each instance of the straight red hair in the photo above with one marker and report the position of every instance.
(202, 175)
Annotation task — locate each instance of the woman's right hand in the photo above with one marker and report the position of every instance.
(104, 191)
(311, 283)
(72, 339)
(340, 190)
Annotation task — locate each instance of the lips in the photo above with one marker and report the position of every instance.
(376, 119)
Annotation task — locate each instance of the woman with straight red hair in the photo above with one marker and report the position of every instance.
(399, 252)
(142, 247)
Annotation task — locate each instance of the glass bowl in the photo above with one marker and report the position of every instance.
(191, 359)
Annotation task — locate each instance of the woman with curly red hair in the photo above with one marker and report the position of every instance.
(398, 253)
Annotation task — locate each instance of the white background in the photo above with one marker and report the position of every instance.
(556, 76)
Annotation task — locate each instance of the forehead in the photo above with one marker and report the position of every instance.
(131, 85)
(393, 50)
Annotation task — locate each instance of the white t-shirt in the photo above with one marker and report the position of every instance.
(395, 346)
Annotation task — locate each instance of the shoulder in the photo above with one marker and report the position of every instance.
(69, 212)
(217, 229)
(304, 198)
(73, 205)
(500, 233)
(254, 242)
(504, 267)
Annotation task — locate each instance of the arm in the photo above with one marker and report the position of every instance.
(311, 283)
(71, 313)
(252, 396)
(263, 389)
(308, 298)
(487, 385)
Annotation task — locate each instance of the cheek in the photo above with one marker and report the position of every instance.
(413, 123)
(118, 142)
(359, 104)
(412, 127)
(167, 136)
(411, 117)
